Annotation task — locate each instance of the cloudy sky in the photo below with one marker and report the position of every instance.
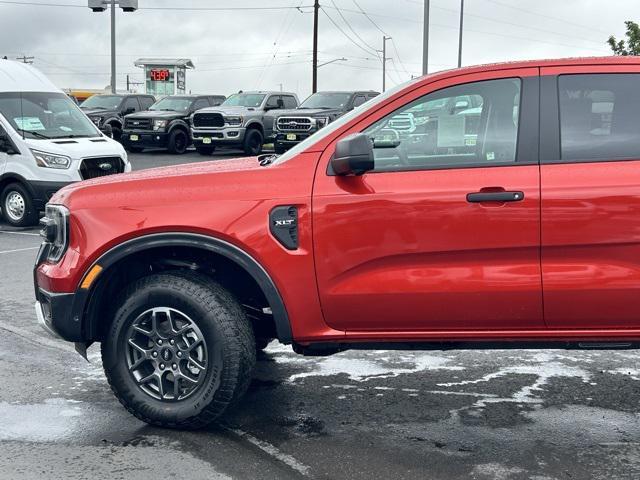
(247, 48)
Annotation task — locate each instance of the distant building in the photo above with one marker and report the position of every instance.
(165, 76)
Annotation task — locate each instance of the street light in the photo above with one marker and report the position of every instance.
(101, 6)
(331, 61)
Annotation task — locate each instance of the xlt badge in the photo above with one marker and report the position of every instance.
(283, 224)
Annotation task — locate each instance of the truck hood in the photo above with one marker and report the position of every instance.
(95, 112)
(158, 179)
(307, 112)
(158, 114)
(78, 148)
(229, 110)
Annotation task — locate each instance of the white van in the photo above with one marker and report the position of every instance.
(46, 142)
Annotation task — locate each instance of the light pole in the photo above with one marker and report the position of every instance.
(425, 39)
(460, 39)
(101, 6)
(332, 61)
(384, 61)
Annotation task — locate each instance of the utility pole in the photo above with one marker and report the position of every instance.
(384, 61)
(316, 9)
(25, 59)
(460, 38)
(425, 39)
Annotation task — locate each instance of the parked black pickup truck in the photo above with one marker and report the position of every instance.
(292, 126)
(108, 111)
(166, 124)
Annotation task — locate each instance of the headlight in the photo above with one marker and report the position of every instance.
(55, 231)
(51, 160)
(159, 124)
(96, 120)
(322, 122)
(233, 121)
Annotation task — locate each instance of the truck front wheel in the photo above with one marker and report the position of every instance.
(253, 141)
(180, 350)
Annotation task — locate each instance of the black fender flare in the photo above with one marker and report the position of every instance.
(179, 123)
(202, 242)
(255, 124)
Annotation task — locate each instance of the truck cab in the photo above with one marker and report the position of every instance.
(107, 111)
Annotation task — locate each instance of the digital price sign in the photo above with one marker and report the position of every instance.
(160, 74)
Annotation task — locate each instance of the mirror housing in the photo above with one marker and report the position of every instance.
(353, 155)
(7, 146)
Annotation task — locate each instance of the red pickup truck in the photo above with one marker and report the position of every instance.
(490, 206)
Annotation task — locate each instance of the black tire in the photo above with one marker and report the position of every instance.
(17, 206)
(134, 149)
(225, 330)
(279, 148)
(116, 132)
(178, 141)
(252, 143)
(205, 150)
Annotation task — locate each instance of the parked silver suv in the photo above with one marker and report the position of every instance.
(238, 122)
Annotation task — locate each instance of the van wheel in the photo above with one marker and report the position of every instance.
(178, 142)
(205, 150)
(180, 350)
(252, 144)
(17, 206)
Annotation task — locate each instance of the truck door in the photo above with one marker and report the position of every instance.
(590, 179)
(444, 234)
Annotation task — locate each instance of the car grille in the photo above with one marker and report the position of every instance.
(294, 124)
(100, 167)
(402, 122)
(208, 120)
(137, 124)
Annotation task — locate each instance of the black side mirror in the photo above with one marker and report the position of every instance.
(6, 145)
(353, 155)
(128, 111)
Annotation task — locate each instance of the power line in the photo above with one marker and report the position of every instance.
(343, 32)
(373, 49)
(213, 9)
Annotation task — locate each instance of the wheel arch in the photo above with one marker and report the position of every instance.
(9, 178)
(179, 124)
(255, 125)
(219, 252)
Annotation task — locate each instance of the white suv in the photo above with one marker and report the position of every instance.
(46, 142)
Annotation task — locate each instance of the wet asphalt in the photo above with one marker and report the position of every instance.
(537, 415)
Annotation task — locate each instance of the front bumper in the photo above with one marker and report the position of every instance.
(288, 139)
(145, 139)
(43, 191)
(218, 136)
(60, 314)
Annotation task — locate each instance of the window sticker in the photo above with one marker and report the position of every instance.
(29, 124)
(491, 156)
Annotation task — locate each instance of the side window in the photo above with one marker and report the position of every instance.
(217, 100)
(290, 101)
(146, 102)
(272, 102)
(201, 103)
(130, 105)
(599, 116)
(359, 100)
(469, 125)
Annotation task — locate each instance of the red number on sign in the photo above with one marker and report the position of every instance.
(159, 75)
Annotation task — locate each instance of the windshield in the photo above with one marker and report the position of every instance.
(244, 100)
(326, 100)
(340, 122)
(174, 104)
(45, 115)
(104, 102)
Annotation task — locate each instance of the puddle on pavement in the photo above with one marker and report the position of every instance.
(52, 420)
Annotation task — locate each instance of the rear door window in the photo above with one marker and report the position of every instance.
(599, 117)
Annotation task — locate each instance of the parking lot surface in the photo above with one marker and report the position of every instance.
(536, 415)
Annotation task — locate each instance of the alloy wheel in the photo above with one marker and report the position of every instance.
(166, 354)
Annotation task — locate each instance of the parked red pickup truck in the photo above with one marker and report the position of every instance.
(491, 206)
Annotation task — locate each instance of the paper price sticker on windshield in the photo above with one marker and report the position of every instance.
(30, 124)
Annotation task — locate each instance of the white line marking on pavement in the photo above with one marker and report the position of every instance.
(273, 451)
(31, 337)
(19, 250)
(20, 233)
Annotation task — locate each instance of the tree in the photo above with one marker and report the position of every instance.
(631, 46)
